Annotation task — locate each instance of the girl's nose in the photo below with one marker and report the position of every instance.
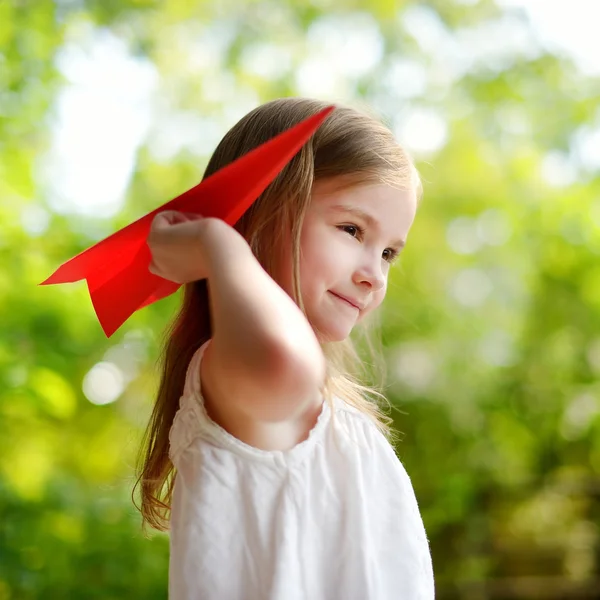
(370, 273)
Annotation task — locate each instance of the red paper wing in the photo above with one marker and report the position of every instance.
(116, 268)
(135, 283)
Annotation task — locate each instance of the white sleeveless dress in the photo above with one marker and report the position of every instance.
(334, 518)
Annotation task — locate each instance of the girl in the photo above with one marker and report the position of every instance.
(280, 481)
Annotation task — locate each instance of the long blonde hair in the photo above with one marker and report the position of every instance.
(349, 143)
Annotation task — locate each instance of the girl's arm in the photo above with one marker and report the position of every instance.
(264, 363)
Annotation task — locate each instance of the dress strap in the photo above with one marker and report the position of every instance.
(190, 418)
(192, 378)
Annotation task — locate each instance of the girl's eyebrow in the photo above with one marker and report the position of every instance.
(370, 220)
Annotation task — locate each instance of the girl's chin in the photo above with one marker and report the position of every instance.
(330, 329)
(328, 335)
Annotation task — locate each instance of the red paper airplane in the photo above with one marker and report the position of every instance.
(116, 269)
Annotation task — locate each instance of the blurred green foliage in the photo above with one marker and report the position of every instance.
(491, 327)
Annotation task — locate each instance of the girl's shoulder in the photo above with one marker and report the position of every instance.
(192, 423)
(345, 408)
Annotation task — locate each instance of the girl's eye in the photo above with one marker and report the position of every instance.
(389, 254)
(353, 230)
(392, 255)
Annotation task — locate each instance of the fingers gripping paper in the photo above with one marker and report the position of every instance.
(116, 269)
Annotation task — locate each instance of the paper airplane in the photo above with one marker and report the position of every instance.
(116, 269)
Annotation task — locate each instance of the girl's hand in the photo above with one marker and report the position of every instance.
(175, 246)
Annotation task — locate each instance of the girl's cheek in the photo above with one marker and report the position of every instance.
(380, 296)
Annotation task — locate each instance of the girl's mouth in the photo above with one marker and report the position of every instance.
(345, 301)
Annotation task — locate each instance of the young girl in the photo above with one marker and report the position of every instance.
(280, 481)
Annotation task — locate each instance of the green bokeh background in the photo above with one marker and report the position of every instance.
(491, 326)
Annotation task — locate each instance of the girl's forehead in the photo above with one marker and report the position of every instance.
(331, 193)
(340, 184)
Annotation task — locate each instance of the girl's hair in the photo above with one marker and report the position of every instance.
(349, 144)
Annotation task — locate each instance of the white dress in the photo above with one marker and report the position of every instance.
(334, 518)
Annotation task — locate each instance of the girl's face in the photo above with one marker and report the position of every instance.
(350, 238)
